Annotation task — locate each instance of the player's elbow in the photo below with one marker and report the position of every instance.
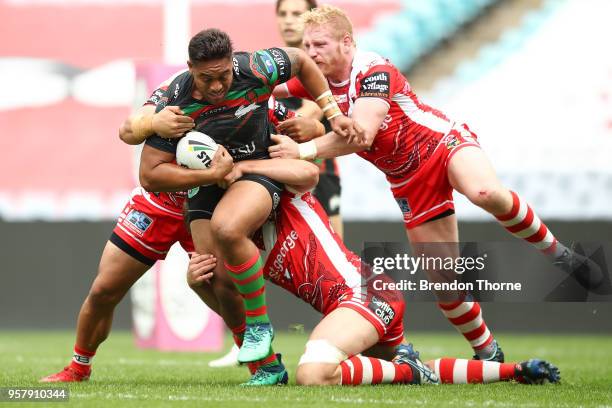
(147, 180)
(311, 176)
(125, 133)
(367, 140)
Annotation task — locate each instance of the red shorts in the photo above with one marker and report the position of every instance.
(386, 316)
(147, 229)
(428, 192)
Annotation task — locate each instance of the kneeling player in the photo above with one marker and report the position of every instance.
(308, 259)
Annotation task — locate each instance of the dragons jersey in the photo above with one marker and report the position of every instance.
(411, 130)
(241, 122)
(306, 258)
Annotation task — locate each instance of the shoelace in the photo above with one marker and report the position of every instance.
(260, 375)
(253, 336)
(411, 357)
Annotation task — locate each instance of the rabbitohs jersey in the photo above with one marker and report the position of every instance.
(241, 122)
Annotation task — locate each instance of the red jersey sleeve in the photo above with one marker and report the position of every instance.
(380, 81)
(296, 89)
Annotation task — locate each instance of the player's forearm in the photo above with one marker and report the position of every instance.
(331, 145)
(287, 171)
(171, 177)
(138, 126)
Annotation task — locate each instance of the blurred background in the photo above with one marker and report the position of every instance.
(533, 78)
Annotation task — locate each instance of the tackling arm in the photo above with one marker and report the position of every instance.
(158, 173)
(298, 175)
(369, 112)
(170, 122)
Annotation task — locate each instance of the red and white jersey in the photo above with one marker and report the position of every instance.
(307, 257)
(411, 130)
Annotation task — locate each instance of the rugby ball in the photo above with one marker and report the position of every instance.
(196, 150)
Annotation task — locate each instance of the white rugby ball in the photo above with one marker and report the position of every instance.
(196, 150)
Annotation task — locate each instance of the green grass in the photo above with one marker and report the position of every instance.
(126, 376)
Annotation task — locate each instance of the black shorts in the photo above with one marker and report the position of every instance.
(201, 201)
(328, 193)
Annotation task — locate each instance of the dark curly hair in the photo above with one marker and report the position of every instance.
(209, 45)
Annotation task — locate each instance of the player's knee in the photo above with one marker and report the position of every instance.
(487, 198)
(316, 374)
(226, 232)
(103, 296)
(320, 363)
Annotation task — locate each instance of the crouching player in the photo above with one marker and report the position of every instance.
(306, 258)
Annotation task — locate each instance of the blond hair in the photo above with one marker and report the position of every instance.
(331, 16)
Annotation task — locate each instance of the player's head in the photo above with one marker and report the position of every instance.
(328, 38)
(210, 63)
(288, 14)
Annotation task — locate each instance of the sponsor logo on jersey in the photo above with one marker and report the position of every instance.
(280, 111)
(265, 63)
(236, 66)
(177, 88)
(281, 62)
(138, 222)
(157, 97)
(192, 192)
(376, 84)
(214, 111)
(452, 142)
(382, 309)
(244, 109)
(285, 246)
(275, 200)
(342, 98)
(404, 207)
(242, 151)
(268, 63)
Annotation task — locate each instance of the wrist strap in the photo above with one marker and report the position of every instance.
(308, 150)
(142, 126)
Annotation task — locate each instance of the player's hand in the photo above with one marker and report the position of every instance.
(232, 176)
(200, 269)
(222, 163)
(301, 129)
(171, 122)
(285, 148)
(347, 127)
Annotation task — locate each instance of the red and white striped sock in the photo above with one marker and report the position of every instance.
(81, 360)
(467, 319)
(368, 370)
(523, 222)
(461, 371)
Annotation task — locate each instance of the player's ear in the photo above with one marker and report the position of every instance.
(189, 64)
(347, 41)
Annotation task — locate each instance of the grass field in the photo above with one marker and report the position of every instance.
(125, 376)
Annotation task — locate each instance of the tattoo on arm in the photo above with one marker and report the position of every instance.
(295, 58)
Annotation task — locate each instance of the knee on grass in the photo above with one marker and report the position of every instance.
(318, 374)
